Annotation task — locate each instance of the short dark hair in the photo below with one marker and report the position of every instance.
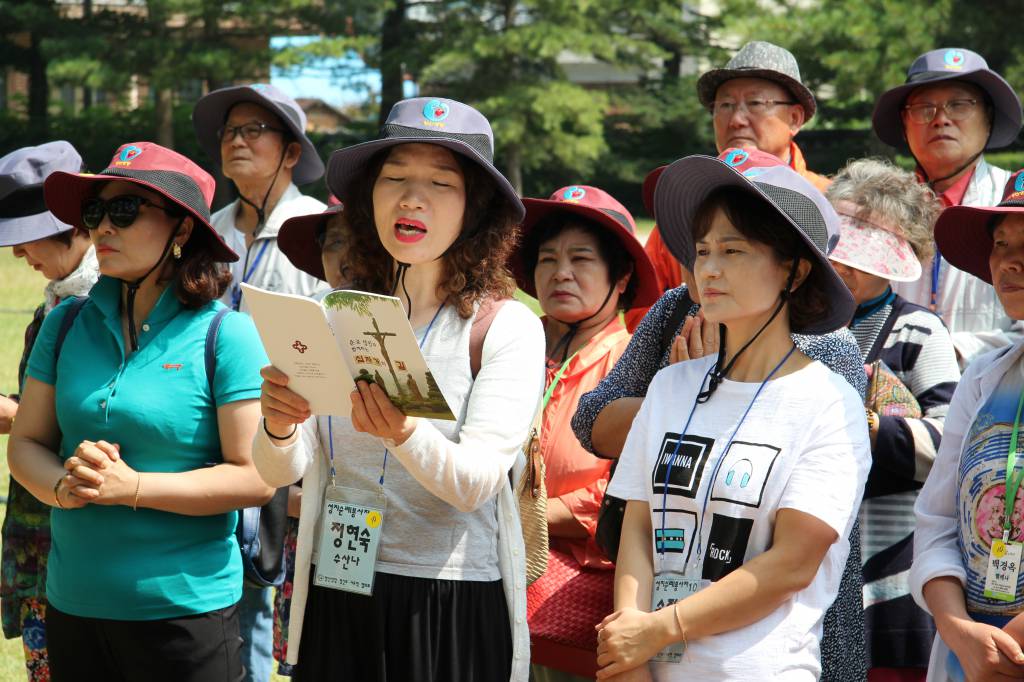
(609, 248)
(68, 236)
(197, 277)
(759, 221)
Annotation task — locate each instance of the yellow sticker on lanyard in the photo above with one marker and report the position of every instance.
(350, 532)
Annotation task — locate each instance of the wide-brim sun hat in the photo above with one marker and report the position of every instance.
(24, 216)
(146, 164)
(962, 232)
(943, 65)
(297, 239)
(603, 210)
(685, 185)
(759, 59)
(431, 120)
(874, 248)
(212, 110)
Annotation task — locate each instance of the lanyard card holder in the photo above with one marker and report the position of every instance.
(350, 530)
(668, 589)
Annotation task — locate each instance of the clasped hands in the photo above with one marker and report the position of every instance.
(372, 409)
(96, 474)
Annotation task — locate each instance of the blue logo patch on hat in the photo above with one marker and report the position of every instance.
(435, 111)
(736, 157)
(1018, 186)
(954, 59)
(127, 155)
(573, 193)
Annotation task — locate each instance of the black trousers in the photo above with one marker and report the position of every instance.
(205, 647)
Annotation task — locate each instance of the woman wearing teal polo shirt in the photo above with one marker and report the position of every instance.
(136, 427)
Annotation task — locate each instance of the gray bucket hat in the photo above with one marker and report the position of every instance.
(212, 110)
(24, 216)
(946, 64)
(433, 120)
(759, 59)
(686, 184)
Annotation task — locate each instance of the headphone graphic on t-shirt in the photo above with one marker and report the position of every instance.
(741, 469)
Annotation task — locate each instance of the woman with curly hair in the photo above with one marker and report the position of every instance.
(433, 221)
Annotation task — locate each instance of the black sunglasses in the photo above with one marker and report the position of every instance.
(122, 210)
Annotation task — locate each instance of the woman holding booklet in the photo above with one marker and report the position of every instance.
(410, 563)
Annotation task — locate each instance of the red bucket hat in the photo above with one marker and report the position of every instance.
(156, 168)
(602, 209)
(297, 238)
(962, 232)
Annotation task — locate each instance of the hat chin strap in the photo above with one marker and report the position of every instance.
(718, 372)
(574, 327)
(261, 215)
(931, 183)
(133, 287)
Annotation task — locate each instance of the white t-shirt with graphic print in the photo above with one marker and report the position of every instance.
(804, 445)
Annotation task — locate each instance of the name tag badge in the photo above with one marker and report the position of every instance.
(668, 589)
(350, 531)
(1003, 569)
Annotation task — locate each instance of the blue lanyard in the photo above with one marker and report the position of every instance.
(660, 546)
(330, 438)
(236, 293)
(936, 264)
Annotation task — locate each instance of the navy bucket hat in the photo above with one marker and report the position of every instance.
(950, 64)
(431, 120)
(212, 110)
(24, 216)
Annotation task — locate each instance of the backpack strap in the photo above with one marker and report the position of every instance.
(211, 346)
(489, 307)
(70, 314)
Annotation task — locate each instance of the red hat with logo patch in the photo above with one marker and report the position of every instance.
(148, 165)
(964, 233)
(600, 208)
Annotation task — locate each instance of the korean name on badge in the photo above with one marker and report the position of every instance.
(1003, 570)
(668, 589)
(350, 530)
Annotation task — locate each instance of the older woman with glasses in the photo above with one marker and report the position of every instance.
(136, 427)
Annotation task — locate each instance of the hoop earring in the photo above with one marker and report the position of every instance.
(176, 252)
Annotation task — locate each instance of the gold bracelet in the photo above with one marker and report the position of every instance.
(56, 491)
(679, 621)
(138, 487)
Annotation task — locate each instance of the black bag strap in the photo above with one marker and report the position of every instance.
(211, 347)
(70, 314)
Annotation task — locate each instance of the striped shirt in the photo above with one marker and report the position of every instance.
(915, 345)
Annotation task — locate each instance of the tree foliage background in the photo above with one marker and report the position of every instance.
(502, 56)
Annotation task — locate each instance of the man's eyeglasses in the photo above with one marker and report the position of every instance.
(122, 210)
(955, 109)
(248, 131)
(754, 107)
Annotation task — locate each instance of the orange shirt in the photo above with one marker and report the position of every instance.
(954, 194)
(665, 264)
(575, 476)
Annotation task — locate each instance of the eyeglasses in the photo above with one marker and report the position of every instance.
(249, 131)
(955, 109)
(330, 242)
(754, 107)
(122, 210)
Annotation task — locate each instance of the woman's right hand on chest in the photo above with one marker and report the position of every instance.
(697, 338)
(282, 408)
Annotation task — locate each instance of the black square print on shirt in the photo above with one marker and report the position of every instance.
(726, 546)
(683, 464)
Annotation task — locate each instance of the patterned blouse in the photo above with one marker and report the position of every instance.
(843, 652)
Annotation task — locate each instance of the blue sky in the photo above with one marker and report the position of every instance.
(338, 80)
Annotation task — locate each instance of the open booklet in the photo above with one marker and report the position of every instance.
(324, 348)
